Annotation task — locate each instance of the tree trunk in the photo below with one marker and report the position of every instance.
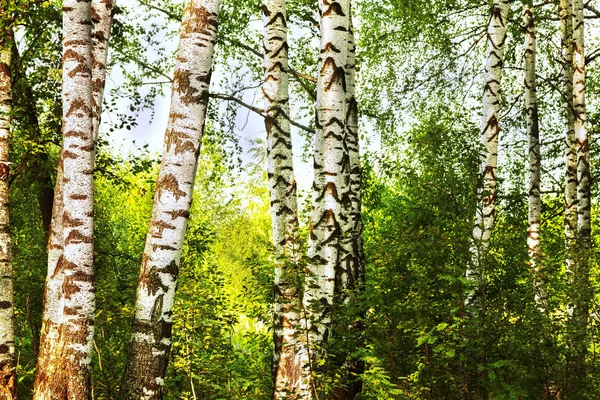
(289, 372)
(533, 135)
(566, 17)
(351, 283)
(102, 16)
(581, 292)
(63, 369)
(151, 334)
(8, 380)
(331, 197)
(490, 131)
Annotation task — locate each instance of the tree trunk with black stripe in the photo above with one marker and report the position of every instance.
(63, 369)
(8, 379)
(149, 349)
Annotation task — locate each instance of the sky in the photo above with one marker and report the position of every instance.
(151, 124)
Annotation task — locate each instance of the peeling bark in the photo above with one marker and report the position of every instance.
(151, 334)
(8, 378)
(63, 369)
(289, 372)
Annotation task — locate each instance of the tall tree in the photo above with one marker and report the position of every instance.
(63, 370)
(351, 276)
(151, 334)
(288, 369)
(331, 187)
(490, 129)
(8, 381)
(533, 135)
(581, 292)
(566, 19)
(102, 17)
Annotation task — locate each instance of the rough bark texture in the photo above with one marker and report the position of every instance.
(533, 135)
(490, 131)
(566, 17)
(151, 334)
(581, 292)
(288, 370)
(350, 284)
(102, 15)
(8, 381)
(331, 187)
(63, 369)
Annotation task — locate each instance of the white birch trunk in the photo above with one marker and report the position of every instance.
(566, 17)
(581, 292)
(102, 16)
(533, 135)
(490, 131)
(151, 337)
(8, 381)
(289, 372)
(67, 333)
(331, 185)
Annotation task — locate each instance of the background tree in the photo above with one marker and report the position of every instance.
(8, 389)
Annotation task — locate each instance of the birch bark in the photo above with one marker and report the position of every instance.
(289, 372)
(490, 130)
(581, 292)
(533, 135)
(67, 332)
(151, 337)
(8, 381)
(566, 18)
(331, 197)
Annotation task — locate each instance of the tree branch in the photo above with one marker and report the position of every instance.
(257, 110)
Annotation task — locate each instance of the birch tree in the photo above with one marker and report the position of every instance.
(490, 128)
(581, 292)
(288, 368)
(67, 333)
(566, 20)
(101, 16)
(533, 135)
(151, 333)
(8, 381)
(331, 198)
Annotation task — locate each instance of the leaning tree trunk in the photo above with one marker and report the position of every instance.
(581, 292)
(63, 369)
(533, 135)
(566, 17)
(490, 130)
(8, 381)
(289, 372)
(331, 199)
(151, 334)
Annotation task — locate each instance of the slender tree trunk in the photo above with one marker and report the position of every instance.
(490, 131)
(151, 337)
(533, 135)
(581, 291)
(8, 381)
(331, 187)
(288, 369)
(102, 17)
(566, 17)
(351, 283)
(63, 369)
